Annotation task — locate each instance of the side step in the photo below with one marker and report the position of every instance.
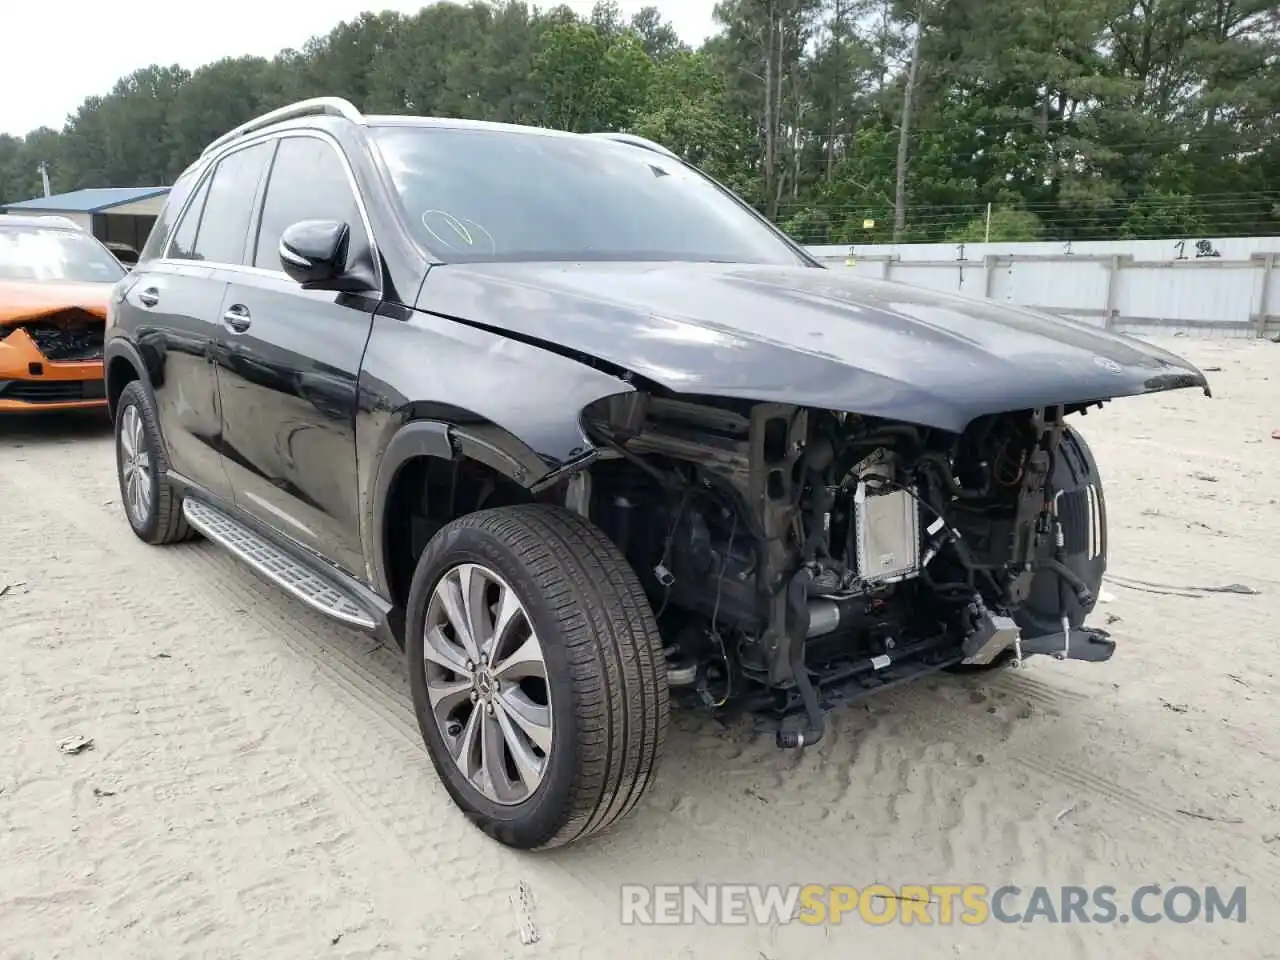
(276, 565)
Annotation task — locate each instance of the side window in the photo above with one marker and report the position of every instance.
(308, 182)
(184, 238)
(159, 235)
(228, 208)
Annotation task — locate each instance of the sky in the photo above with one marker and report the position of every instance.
(59, 54)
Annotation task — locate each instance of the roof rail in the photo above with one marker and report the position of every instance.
(314, 107)
(635, 141)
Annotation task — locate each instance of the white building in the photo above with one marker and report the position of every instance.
(115, 215)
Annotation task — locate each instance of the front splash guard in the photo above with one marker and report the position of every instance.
(1090, 644)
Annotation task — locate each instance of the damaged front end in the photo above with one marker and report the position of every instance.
(50, 358)
(796, 557)
(64, 336)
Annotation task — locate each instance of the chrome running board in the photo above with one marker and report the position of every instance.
(276, 564)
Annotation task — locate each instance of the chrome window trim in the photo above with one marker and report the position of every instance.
(199, 185)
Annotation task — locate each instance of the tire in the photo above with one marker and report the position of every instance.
(605, 674)
(1074, 472)
(163, 521)
(1084, 524)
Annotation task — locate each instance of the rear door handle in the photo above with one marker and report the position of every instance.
(236, 318)
(149, 297)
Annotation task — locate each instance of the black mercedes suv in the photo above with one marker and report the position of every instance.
(582, 432)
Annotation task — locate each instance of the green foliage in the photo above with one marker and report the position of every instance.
(1075, 118)
(1006, 225)
(591, 79)
(810, 225)
(1161, 214)
(684, 111)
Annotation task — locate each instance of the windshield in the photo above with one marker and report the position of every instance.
(487, 195)
(42, 253)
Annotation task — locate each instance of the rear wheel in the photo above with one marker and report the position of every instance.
(537, 674)
(151, 503)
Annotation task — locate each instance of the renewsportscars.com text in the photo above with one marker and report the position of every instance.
(927, 905)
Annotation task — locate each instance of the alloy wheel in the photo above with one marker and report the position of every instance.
(136, 476)
(487, 684)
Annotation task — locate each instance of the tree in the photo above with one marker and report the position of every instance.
(844, 120)
(591, 80)
(1006, 224)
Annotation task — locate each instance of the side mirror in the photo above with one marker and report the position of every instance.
(314, 252)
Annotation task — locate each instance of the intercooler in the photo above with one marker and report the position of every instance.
(886, 536)
(886, 523)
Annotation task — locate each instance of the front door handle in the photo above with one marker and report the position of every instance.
(236, 318)
(149, 297)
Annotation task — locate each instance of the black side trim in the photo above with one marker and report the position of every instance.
(435, 438)
(491, 455)
(418, 438)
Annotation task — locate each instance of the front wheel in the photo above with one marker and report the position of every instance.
(537, 674)
(1083, 512)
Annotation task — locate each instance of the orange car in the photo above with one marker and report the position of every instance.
(55, 281)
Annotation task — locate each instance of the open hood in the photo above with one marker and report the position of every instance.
(811, 337)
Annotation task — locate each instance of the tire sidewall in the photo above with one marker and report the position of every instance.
(1037, 622)
(539, 817)
(134, 396)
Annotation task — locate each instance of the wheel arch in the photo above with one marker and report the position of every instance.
(433, 471)
(1083, 511)
(122, 363)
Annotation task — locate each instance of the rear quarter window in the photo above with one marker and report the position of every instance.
(163, 226)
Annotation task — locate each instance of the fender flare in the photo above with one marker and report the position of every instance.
(417, 438)
(448, 442)
(119, 348)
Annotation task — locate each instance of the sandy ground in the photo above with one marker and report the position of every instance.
(257, 786)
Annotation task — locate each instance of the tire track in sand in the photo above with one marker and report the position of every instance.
(376, 681)
(386, 786)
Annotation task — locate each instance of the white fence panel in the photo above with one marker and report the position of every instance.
(1175, 293)
(1062, 285)
(1218, 287)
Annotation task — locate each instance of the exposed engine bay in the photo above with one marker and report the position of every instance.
(795, 557)
(65, 336)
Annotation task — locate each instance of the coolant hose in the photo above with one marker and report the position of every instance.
(1082, 591)
(940, 464)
